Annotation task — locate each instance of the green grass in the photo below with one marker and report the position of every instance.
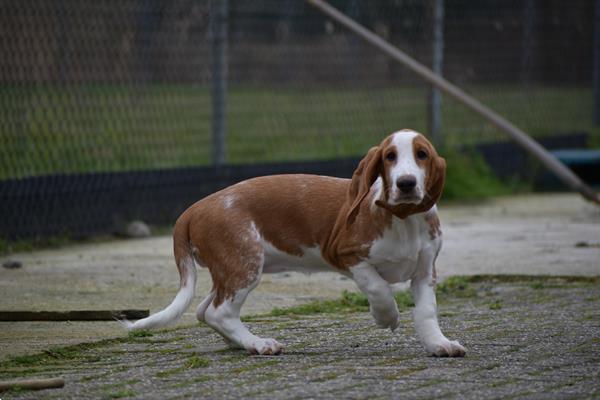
(139, 334)
(456, 286)
(51, 356)
(349, 302)
(197, 362)
(90, 128)
(193, 361)
(119, 394)
(496, 304)
(537, 285)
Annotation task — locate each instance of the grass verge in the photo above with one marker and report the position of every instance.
(166, 126)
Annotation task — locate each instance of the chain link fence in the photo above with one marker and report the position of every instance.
(90, 88)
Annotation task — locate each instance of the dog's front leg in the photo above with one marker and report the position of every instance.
(381, 299)
(425, 312)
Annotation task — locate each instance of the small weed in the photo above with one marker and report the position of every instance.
(537, 285)
(404, 300)
(197, 362)
(120, 394)
(491, 366)
(447, 314)
(327, 377)
(140, 334)
(456, 286)
(496, 305)
(354, 299)
(192, 362)
(63, 352)
(169, 372)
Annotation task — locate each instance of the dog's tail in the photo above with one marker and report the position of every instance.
(187, 276)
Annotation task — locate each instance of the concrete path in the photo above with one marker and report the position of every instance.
(534, 234)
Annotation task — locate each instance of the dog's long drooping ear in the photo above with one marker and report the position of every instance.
(369, 168)
(434, 184)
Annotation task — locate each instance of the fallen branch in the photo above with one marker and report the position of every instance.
(32, 384)
(82, 315)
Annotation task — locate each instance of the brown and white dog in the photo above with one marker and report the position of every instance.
(380, 227)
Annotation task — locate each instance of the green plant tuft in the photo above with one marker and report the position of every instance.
(197, 362)
(496, 305)
(140, 334)
(349, 302)
(468, 177)
(537, 285)
(120, 394)
(404, 300)
(456, 286)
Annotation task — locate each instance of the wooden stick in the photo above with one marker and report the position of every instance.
(32, 384)
(82, 315)
(521, 138)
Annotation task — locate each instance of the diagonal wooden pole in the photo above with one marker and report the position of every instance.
(521, 138)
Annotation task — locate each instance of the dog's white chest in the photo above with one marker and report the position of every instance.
(395, 255)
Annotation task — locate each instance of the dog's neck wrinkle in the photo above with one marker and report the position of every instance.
(401, 211)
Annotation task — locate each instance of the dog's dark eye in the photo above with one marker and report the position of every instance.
(391, 156)
(422, 154)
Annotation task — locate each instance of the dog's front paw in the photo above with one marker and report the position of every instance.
(385, 320)
(265, 347)
(447, 348)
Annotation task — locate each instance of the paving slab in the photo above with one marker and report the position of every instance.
(550, 234)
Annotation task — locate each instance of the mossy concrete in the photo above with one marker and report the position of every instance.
(522, 350)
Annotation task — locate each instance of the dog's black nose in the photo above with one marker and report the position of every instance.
(406, 183)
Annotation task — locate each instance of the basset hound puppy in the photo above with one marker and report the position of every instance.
(378, 228)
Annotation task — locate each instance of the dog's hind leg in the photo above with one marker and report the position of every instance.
(234, 255)
(201, 309)
(223, 314)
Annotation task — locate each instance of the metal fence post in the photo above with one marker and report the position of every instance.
(219, 22)
(435, 97)
(596, 65)
(528, 41)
